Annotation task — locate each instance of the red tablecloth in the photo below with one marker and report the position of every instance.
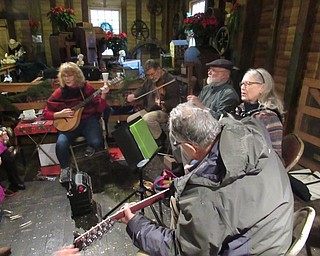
(34, 127)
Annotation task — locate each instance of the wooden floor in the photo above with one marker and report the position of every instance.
(45, 222)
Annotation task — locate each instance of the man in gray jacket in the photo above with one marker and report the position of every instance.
(236, 200)
(218, 96)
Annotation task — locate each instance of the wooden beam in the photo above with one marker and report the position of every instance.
(272, 43)
(138, 9)
(85, 10)
(297, 64)
(250, 29)
(124, 15)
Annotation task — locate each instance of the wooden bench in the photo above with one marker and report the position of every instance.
(21, 87)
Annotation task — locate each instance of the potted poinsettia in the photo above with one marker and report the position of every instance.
(63, 18)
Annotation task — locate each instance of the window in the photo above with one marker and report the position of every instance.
(97, 17)
(197, 6)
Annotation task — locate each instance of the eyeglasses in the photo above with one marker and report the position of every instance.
(176, 143)
(151, 74)
(67, 75)
(248, 84)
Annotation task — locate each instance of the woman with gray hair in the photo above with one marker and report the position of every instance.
(261, 101)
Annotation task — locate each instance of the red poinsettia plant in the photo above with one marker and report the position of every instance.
(200, 25)
(62, 17)
(116, 42)
(34, 25)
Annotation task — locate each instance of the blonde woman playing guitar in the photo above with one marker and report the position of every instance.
(71, 120)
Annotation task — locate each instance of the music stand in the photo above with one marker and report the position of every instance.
(136, 142)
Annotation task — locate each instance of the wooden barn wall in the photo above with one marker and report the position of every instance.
(286, 33)
(285, 65)
(284, 40)
(264, 33)
(21, 10)
(307, 124)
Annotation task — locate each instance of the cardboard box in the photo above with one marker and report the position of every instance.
(50, 150)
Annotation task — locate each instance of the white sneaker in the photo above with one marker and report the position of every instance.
(65, 175)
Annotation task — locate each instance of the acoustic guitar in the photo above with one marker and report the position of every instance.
(71, 123)
(96, 232)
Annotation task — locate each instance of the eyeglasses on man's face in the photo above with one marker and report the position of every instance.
(151, 72)
(247, 84)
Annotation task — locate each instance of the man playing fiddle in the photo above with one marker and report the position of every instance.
(159, 98)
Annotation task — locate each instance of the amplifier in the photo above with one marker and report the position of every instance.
(80, 194)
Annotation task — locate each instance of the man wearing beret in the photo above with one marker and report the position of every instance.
(218, 96)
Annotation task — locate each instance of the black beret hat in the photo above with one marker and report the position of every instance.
(221, 63)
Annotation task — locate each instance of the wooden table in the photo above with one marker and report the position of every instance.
(5, 69)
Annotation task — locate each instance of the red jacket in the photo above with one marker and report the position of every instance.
(66, 97)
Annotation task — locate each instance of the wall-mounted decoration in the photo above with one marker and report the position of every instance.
(140, 30)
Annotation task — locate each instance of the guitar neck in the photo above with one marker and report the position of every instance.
(95, 94)
(96, 232)
(85, 102)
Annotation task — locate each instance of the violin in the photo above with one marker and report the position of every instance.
(160, 94)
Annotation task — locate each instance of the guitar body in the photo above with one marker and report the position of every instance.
(70, 123)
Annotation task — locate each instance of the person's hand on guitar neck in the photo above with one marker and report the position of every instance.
(105, 90)
(128, 215)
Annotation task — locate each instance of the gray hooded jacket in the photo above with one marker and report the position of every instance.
(237, 201)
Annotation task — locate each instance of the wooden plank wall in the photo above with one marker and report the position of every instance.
(284, 40)
(264, 33)
(307, 121)
(308, 113)
(287, 28)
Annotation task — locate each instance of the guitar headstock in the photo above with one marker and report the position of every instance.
(116, 81)
(86, 239)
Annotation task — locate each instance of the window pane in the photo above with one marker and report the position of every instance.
(97, 17)
(197, 7)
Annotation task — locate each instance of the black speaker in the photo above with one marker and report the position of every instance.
(135, 141)
(127, 145)
(50, 73)
(80, 194)
(91, 73)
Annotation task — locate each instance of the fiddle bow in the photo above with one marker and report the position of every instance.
(155, 89)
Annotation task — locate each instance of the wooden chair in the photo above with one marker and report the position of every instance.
(302, 224)
(292, 150)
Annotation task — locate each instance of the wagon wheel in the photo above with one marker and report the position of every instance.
(154, 8)
(140, 30)
(221, 40)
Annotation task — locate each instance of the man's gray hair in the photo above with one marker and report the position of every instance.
(189, 123)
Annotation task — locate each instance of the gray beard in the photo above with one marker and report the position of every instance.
(214, 83)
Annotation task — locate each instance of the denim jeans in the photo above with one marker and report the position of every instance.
(90, 128)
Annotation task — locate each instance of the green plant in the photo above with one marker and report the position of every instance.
(63, 17)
